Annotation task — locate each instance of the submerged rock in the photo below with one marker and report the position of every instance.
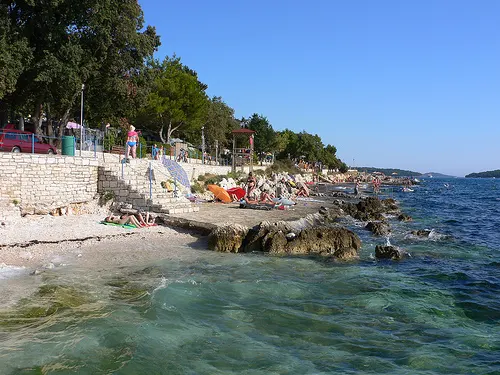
(378, 228)
(389, 252)
(405, 218)
(421, 232)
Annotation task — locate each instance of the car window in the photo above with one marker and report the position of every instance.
(10, 136)
(24, 137)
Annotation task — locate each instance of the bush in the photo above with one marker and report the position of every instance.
(197, 188)
(283, 165)
(213, 180)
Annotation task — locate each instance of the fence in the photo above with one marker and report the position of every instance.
(13, 140)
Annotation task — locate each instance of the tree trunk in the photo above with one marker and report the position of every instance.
(161, 134)
(169, 131)
(38, 118)
(21, 122)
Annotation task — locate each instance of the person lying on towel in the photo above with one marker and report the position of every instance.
(125, 219)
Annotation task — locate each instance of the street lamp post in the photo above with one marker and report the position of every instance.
(202, 145)
(81, 121)
(216, 152)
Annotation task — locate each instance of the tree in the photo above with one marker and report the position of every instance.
(310, 147)
(75, 42)
(265, 137)
(14, 53)
(219, 123)
(177, 101)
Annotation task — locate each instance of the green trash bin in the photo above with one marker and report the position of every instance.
(68, 145)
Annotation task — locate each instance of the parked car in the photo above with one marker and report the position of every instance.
(20, 141)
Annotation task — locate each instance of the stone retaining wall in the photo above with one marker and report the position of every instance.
(38, 180)
(53, 181)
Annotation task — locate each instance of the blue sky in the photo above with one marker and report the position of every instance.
(395, 84)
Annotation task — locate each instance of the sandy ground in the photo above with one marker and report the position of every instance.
(45, 241)
(49, 241)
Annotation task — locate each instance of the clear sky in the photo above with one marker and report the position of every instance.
(390, 83)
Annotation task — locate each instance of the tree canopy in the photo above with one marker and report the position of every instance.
(177, 101)
(54, 51)
(100, 43)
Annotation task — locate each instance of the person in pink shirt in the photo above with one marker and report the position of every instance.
(132, 139)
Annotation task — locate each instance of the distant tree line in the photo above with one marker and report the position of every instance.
(487, 174)
(53, 51)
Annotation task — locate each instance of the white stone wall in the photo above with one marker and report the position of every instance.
(53, 181)
(47, 180)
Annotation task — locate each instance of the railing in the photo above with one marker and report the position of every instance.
(13, 140)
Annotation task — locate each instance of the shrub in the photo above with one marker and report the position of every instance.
(283, 165)
(197, 188)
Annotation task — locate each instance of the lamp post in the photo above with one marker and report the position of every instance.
(81, 121)
(202, 145)
(216, 152)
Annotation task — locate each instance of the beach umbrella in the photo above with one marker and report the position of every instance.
(220, 193)
(176, 171)
(239, 192)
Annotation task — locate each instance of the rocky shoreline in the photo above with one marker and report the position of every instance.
(309, 228)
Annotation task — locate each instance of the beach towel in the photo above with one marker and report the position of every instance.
(265, 207)
(127, 226)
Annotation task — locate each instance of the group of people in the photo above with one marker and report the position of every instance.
(157, 153)
(266, 196)
(138, 220)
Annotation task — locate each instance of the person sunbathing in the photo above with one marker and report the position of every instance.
(125, 219)
(146, 220)
(265, 197)
(252, 201)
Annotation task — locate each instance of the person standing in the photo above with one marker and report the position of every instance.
(251, 183)
(132, 139)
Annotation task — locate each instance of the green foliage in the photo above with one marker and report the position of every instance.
(142, 148)
(107, 196)
(487, 174)
(110, 140)
(284, 165)
(102, 44)
(219, 124)
(197, 188)
(343, 168)
(213, 180)
(265, 136)
(201, 178)
(177, 101)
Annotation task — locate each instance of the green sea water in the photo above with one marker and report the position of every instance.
(435, 313)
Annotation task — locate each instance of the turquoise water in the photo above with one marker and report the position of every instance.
(435, 313)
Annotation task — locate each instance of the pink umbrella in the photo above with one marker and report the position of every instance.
(72, 125)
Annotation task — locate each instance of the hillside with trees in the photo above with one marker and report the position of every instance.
(55, 53)
(486, 174)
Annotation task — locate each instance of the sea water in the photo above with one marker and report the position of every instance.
(437, 312)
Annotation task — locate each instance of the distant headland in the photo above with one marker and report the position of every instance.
(486, 174)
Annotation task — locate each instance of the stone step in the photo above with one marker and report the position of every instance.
(182, 210)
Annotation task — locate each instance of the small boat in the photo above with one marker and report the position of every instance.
(407, 190)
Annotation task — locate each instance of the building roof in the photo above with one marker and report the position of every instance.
(243, 131)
